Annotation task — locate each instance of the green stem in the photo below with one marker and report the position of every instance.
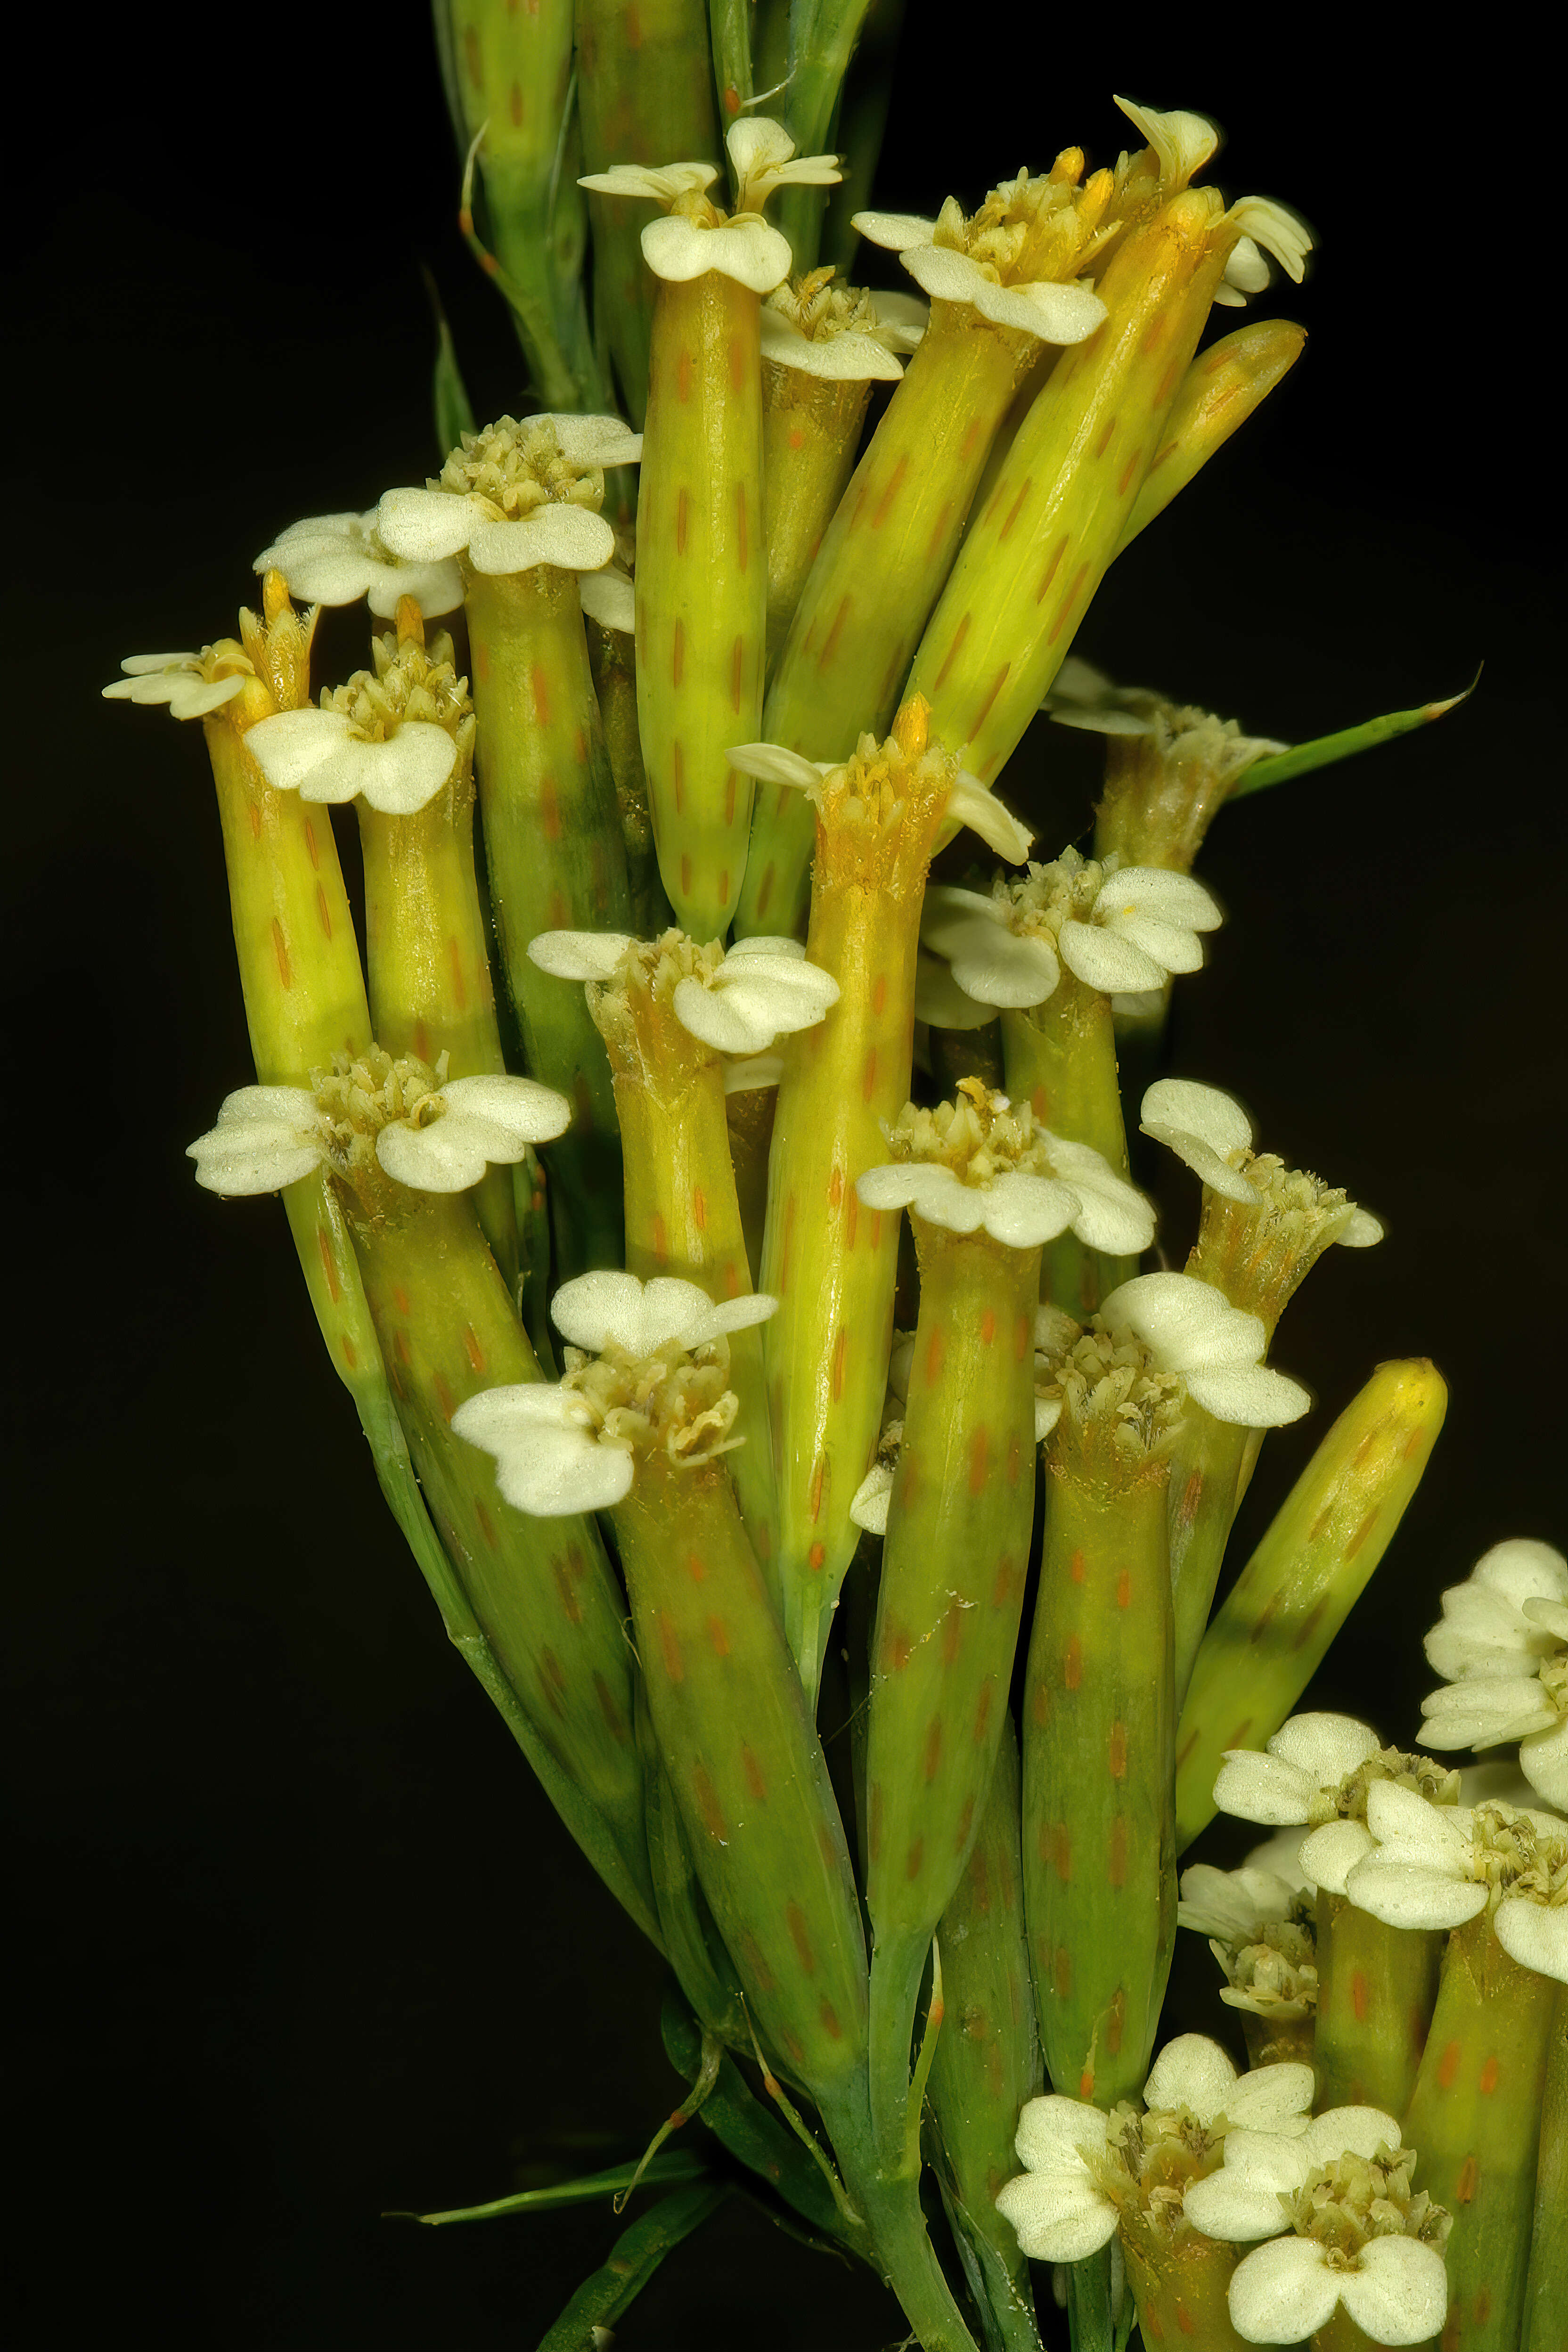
(1089, 2304)
(1546, 2293)
(1060, 1058)
(1205, 1493)
(890, 2203)
(1376, 1988)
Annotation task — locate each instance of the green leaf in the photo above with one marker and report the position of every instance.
(636, 2256)
(454, 412)
(659, 2172)
(1325, 750)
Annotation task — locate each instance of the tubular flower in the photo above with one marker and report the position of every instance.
(336, 558)
(984, 1163)
(1502, 1650)
(968, 803)
(739, 999)
(695, 235)
(1259, 1929)
(1431, 1866)
(514, 497)
(648, 1364)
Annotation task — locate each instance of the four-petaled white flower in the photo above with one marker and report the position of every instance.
(1083, 1194)
(178, 679)
(1502, 1649)
(1395, 2289)
(1194, 2072)
(741, 245)
(268, 1137)
(336, 558)
(554, 1456)
(1301, 1768)
(1242, 2200)
(968, 802)
(1432, 1866)
(1192, 1329)
(428, 526)
(1056, 312)
(866, 351)
(1141, 927)
(1209, 1130)
(763, 988)
(320, 755)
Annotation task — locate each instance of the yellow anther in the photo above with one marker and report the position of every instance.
(911, 727)
(410, 622)
(275, 600)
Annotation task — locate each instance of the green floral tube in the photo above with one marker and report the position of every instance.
(645, 91)
(1475, 2119)
(987, 2061)
(702, 589)
(1546, 2293)
(831, 1265)
(747, 1768)
(542, 1588)
(1376, 1988)
(1032, 560)
(1276, 1623)
(682, 1212)
(1219, 391)
(1180, 2285)
(1099, 1729)
(1207, 1481)
(1061, 1059)
(953, 1567)
(610, 657)
(998, 298)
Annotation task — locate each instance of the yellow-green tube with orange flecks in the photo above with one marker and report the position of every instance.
(1098, 1841)
(682, 1215)
(541, 1589)
(612, 662)
(881, 563)
(987, 2060)
(1475, 2123)
(954, 1560)
(702, 589)
(1275, 1625)
(1034, 557)
(811, 424)
(556, 861)
(1219, 391)
(1546, 2295)
(645, 92)
(1061, 1059)
(832, 1265)
(1376, 1988)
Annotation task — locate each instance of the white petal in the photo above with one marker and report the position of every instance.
(1203, 1111)
(1535, 1935)
(1231, 1904)
(941, 1002)
(771, 763)
(596, 440)
(1551, 1616)
(445, 1156)
(608, 597)
(1486, 1710)
(749, 251)
(1258, 1399)
(1057, 313)
(1543, 1759)
(757, 143)
(895, 231)
(660, 186)
(1360, 1230)
(424, 526)
(1283, 2292)
(559, 533)
(266, 1136)
(579, 955)
(291, 745)
(520, 1110)
(1183, 142)
(1278, 231)
(598, 1308)
(1242, 2200)
(1103, 960)
(1350, 2131)
(1438, 1837)
(1187, 1325)
(724, 1020)
(1023, 1212)
(970, 803)
(1403, 1894)
(868, 1503)
(752, 1072)
(1398, 2291)
(1047, 1413)
(1524, 1570)
(1330, 1854)
(1203, 1159)
(931, 1191)
(404, 773)
(997, 967)
(1246, 271)
(848, 358)
(1326, 1747)
(1175, 950)
(1159, 894)
(1275, 2099)
(1056, 2219)
(950, 915)
(1190, 2071)
(195, 697)
(336, 574)
(548, 1461)
(1258, 1788)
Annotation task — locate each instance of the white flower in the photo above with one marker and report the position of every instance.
(471, 1124)
(993, 964)
(178, 679)
(968, 801)
(1057, 2211)
(553, 1454)
(1057, 313)
(761, 989)
(1183, 144)
(609, 598)
(1192, 1329)
(1233, 1905)
(868, 1503)
(1305, 1762)
(1242, 2200)
(1503, 1647)
(862, 350)
(682, 245)
(318, 754)
(337, 559)
(1194, 2072)
(1142, 927)
(1395, 2290)
(1083, 1193)
(1209, 1130)
(266, 1136)
(1432, 1866)
(428, 526)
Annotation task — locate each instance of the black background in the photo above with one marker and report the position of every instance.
(298, 1941)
